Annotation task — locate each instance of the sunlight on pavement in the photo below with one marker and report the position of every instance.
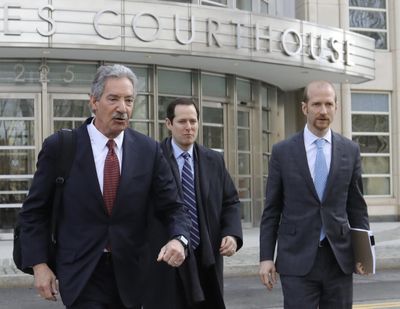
(378, 305)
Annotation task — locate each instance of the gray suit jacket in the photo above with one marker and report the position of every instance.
(293, 213)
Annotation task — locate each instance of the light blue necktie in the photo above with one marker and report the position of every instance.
(189, 197)
(320, 174)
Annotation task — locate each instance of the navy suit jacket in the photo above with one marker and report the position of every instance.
(293, 213)
(83, 224)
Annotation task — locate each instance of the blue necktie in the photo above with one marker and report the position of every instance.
(189, 197)
(320, 174)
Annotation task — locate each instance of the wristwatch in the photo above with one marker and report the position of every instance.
(182, 239)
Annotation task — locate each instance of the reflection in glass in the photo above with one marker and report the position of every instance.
(141, 108)
(265, 141)
(369, 102)
(71, 108)
(367, 19)
(379, 37)
(243, 90)
(16, 108)
(244, 5)
(243, 119)
(143, 79)
(17, 132)
(372, 144)
(265, 164)
(17, 161)
(243, 139)
(375, 165)
(162, 106)
(264, 9)
(163, 132)
(244, 163)
(213, 137)
(213, 86)
(15, 184)
(142, 127)
(175, 82)
(376, 185)
(213, 115)
(370, 123)
(381, 4)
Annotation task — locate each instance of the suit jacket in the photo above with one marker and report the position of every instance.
(83, 224)
(219, 215)
(293, 213)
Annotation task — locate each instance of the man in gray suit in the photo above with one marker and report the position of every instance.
(313, 196)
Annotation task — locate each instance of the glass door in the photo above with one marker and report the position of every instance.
(20, 139)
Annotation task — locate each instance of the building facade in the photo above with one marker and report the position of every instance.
(244, 62)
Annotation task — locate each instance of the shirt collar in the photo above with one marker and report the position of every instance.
(310, 138)
(100, 140)
(178, 150)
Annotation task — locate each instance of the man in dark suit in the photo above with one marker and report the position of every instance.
(101, 245)
(312, 199)
(216, 229)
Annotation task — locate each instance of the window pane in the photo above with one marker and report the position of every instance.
(214, 86)
(77, 74)
(265, 165)
(17, 132)
(264, 9)
(162, 106)
(375, 165)
(367, 19)
(16, 108)
(265, 139)
(71, 108)
(143, 78)
(17, 162)
(243, 119)
(370, 123)
(141, 108)
(264, 97)
(244, 188)
(243, 91)
(372, 144)
(142, 127)
(244, 5)
(163, 131)
(175, 82)
(213, 137)
(379, 37)
(213, 115)
(243, 139)
(376, 186)
(244, 163)
(15, 184)
(368, 3)
(369, 102)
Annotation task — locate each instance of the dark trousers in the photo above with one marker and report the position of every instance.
(325, 287)
(101, 290)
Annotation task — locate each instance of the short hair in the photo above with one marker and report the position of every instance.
(180, 101)
(320, 83)
(105, 72)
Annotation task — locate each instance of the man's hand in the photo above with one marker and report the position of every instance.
(45, 281)
(173, 253)
(228, 246)
(360, 270)
(268, 274)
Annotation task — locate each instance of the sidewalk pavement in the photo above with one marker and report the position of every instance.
(244, 262)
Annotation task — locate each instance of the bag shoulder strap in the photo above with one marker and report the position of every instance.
(67, 146)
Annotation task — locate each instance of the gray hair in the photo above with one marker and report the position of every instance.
(111, 71)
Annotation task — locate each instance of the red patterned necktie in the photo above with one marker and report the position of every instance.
(111, 177)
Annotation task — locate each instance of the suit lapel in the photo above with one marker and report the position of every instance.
(336, 154)
(302, 162)
(85, 161)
